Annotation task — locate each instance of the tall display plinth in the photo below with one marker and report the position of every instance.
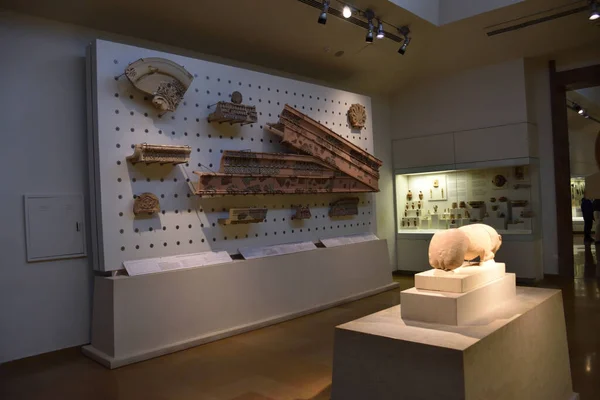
(139, 317)
(516, 351)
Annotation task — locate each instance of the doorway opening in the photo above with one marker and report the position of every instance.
(575, 108)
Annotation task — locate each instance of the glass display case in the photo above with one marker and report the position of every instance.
(432, 201)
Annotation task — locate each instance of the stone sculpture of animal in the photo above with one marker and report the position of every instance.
(449, 249)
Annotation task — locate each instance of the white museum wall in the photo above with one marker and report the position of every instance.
(45, 151)
(480, 98)
(45, 305)
(384, 200)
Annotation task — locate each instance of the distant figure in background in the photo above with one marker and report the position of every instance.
(596, 207)
(588, 210)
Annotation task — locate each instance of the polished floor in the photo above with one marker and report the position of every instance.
(291, 360)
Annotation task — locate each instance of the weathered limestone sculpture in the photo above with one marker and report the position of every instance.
(450, 249)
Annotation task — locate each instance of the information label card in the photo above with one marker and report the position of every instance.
(257, 252)
(343, 240)
(153, 265)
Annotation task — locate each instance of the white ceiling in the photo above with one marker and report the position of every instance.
(284, 35)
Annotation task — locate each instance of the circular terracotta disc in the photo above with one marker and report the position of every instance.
(236, 97)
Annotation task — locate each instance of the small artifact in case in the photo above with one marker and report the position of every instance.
(499, 181)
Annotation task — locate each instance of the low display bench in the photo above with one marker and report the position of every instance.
(516, 349)
(140, 317)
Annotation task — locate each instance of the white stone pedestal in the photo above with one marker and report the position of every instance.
(456, 308)
(517, 351)
(461, 279)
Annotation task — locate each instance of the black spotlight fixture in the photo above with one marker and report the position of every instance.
(380, 33)
(404, 31)
(594, 15)
(323, 15)
(370, 15)
(402, 48)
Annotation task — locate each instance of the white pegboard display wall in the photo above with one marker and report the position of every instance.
(188, 223)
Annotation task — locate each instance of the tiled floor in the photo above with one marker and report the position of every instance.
(291, 360)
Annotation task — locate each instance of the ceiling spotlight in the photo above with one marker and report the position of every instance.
(347, 12)
(594, 11)
(323, 15)
(370, 15)
(404, 31)
(380, 33)
(402, 48)
(369, 38)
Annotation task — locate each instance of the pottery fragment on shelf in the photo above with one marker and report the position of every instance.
(302, 213)
(234, 112)
(357, 115)
(160, 153)
(163, 79)
(320, 161)
(146, 203)
(244, 216)
(344, 207)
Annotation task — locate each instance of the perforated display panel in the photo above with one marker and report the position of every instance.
(123, 117)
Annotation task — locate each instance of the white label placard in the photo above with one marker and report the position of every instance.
(268, 251)
(153, 265)
(343, 240)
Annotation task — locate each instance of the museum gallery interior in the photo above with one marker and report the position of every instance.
(294, 199)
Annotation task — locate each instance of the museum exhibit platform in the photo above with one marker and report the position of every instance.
(493, 341)
(136, 318)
